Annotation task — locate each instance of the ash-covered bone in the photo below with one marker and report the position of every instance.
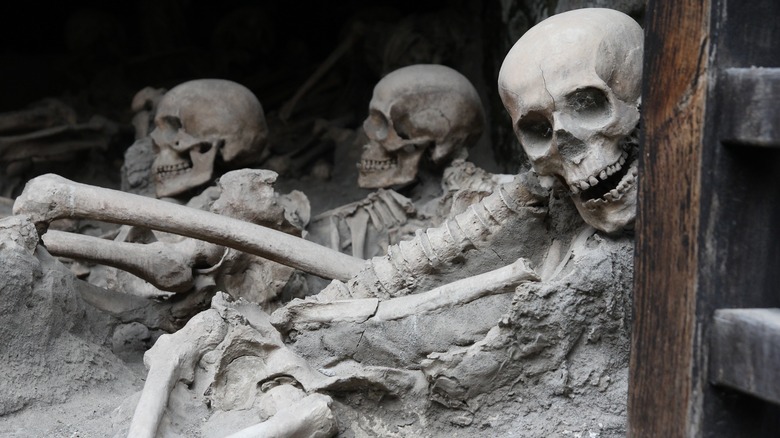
(50, 197)
(165, 266)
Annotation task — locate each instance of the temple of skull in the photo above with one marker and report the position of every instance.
(325, 221)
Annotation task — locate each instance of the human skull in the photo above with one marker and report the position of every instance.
(197, 119)
(572, 87)
(416, 109)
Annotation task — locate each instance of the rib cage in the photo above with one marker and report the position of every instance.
(434, 249)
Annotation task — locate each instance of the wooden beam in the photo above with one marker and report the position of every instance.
(661, 376)
(746, 351)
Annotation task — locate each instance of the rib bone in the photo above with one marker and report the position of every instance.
(50, 197)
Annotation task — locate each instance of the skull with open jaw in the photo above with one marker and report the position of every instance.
(571, 85)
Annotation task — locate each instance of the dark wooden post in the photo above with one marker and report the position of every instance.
(708, 226)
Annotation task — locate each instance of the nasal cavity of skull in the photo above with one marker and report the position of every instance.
(203, 148)
(588, 102)
(570, 147)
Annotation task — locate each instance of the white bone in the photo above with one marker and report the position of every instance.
(449, 295)
(571, 86)
(170, 361)
(358, 227)
(50, 197)
(157, 262)
(310, 417)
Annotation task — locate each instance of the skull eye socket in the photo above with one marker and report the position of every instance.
(375, 126)
(534, 128)
(172, 122)
(588, 102)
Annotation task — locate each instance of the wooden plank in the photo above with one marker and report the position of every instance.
(749, 106)
(746, 351)
(707, 221)
(661, 379)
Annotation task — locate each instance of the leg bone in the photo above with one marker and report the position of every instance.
(50, 197)
(157, 262)
(173, 358)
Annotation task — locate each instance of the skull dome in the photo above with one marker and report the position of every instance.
(416, 109)
(571, 85)
(195, 121)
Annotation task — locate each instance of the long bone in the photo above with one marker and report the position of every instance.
(310, 417)
(158, 263)
(51, 197)
(457, 293)
(170, 361)
(431, 249)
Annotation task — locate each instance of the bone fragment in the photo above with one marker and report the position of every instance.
(173, 358)
(50, 197)
(157, 263)
(449, 295)
(310, 417)
(307, 311)
(358, 227)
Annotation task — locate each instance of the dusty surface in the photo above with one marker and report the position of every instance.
(564, 374)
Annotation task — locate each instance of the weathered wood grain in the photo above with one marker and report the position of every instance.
(675, 80)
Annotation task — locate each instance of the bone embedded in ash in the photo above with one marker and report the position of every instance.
(157, 263)
(173, 358)
(50, 197)
(449, 295)
(310, 417)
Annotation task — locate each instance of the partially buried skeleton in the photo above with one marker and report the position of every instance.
(198, 130)
(422, 119)
(548, 359)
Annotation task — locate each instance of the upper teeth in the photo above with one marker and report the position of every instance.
(175, 169)
(377, 164)
(603, 174)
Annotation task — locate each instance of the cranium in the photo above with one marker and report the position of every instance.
(413, 110)
(571, 85)
(196, 120)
